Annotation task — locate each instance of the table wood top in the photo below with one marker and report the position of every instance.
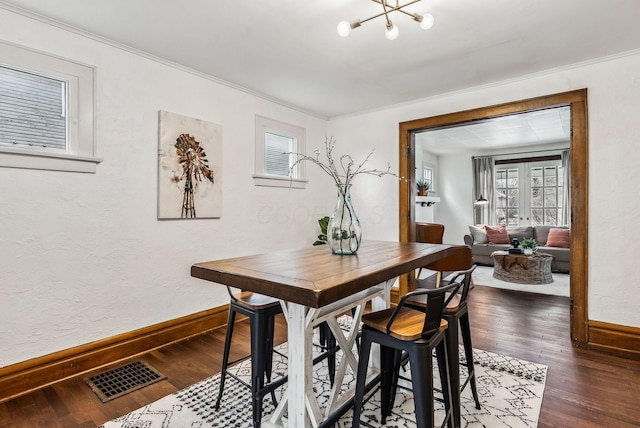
(313, 276)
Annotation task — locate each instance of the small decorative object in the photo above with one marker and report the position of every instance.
(322, 238)
(344, 233)
(515, 243)
(423, 187)
(529, 245)
(189, 164)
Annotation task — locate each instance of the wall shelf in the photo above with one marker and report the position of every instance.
(427, 201)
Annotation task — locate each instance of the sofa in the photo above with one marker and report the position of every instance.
(481, 248)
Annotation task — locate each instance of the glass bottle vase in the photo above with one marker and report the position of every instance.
(344, 233)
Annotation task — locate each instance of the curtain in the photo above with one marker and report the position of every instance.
(566, 188)
(483, 186)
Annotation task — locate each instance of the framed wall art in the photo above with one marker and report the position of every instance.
(189, 163)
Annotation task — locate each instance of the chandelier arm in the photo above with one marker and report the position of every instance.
(395, 8)
(386, 14)
(392, 9)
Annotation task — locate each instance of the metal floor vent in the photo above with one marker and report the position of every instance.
(123, 380)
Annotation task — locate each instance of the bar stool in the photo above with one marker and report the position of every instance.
(414, 332)
(457, 314)
(329, 347)
(261, 311)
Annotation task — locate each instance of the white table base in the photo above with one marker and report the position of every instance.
(299, 398)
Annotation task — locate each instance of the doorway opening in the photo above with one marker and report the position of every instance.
(577, 102)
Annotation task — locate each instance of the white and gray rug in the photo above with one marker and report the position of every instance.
(483, 275)
(510, 393)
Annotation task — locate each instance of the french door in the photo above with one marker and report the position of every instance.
(529, 193)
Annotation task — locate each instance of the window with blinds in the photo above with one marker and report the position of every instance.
(47, 111)
(275, 143)
(276, 154)
(32, 111)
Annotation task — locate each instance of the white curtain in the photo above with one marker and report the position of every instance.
(483, 186)
(566, 188)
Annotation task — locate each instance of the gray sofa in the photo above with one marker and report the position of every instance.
(482, 251)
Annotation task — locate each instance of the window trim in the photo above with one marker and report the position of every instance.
(81, 133)
(261, 178)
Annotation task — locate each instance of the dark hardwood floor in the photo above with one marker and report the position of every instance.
(584, 388)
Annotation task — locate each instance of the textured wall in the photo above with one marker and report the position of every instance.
(83, 257)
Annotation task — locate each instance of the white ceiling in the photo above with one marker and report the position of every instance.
(289, 51)
(534, 128)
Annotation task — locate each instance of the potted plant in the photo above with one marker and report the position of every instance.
(322, 238)
(529, 245)
(423, 187)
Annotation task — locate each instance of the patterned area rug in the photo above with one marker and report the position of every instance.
(510, 393)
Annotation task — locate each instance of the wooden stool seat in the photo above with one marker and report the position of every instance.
(255, 301)
(407, 324)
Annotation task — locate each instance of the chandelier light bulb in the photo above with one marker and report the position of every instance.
(344, 28)
(391, 32)
(427, 21)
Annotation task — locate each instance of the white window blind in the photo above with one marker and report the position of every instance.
(32, 111)
(276, 156)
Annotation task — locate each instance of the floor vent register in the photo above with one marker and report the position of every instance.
(123, 380)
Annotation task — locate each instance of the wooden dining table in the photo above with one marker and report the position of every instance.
(315, 286)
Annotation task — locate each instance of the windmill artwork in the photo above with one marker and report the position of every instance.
(189, 163)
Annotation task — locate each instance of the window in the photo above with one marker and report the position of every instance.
(274, 142)
(507, 193)
(529, 193)
(46, 112)
(427, 177)
(546, 195)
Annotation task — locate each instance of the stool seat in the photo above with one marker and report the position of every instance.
(255, 301)
(407, 325)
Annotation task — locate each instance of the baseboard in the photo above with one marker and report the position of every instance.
(614, 339)
(24, 377)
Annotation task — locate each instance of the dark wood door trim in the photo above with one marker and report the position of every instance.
(579, 323)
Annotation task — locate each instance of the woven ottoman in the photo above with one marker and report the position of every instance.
(521, 268)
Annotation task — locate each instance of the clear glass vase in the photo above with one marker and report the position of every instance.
(344, 233)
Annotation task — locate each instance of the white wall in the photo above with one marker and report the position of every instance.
(83, 257)
(614, 155)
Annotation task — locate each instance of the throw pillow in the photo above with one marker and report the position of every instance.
(478, 234)
(558, 238)
(497, 235)
(520, 232)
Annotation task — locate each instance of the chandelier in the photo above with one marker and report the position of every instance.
(388, 6)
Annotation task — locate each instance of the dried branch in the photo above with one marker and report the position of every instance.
(346, 174)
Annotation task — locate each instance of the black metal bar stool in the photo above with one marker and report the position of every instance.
(416, 333)
(261, 311)
(457, 314)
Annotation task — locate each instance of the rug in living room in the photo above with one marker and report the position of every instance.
(510, 393)
(483, 275)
